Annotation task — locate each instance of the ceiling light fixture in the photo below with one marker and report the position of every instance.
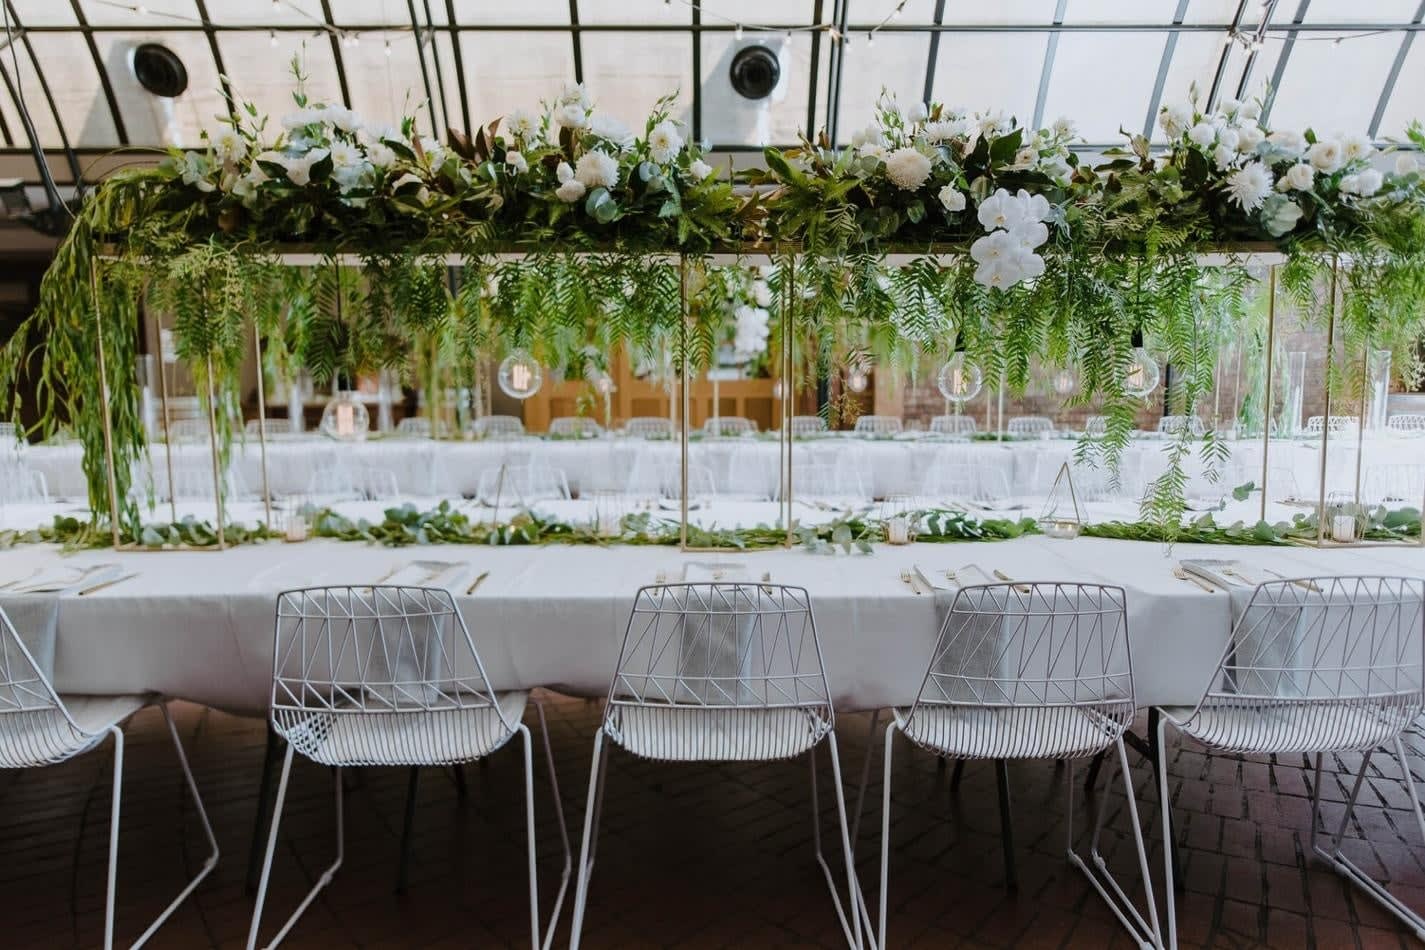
(272, 38)
(388, 47)
(737, 33)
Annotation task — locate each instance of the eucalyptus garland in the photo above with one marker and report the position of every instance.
(565, 232)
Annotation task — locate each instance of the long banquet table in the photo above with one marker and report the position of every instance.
(199, 625)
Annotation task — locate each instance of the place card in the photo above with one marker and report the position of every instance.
(65, 578)
(419, 573)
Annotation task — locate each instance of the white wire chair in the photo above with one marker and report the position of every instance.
(522, 484)
(807, 425)
(40, 727)
(655, 476)
(1095, 425)
(728, 426)
(187, 430)
(953, 425)
(12, 440)
(1315, 665)
(1394, 483)
(878, 425)
(1406, 422)
(719, 673)
(497, 427)
(334, 483)
(380, 484)
(649, 427)
(1176, 425)
(22, 485)
(367, 676)
(1029, 425)
(415, 427)
(193, 481)
(1338, 424)
(752, 474)
(1031, 671)
(575, 427)
(966, 484)
(828, 483)
(275, 426)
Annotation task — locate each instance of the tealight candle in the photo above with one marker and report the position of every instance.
(345, 420)
(1343, 528)
(898, 530)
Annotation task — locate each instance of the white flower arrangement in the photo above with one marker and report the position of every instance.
(1016, 225)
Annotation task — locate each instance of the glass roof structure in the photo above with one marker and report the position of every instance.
(1344, 65)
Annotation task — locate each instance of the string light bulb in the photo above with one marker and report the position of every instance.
(959, 380)
(737, 33)
(272, 38)
(1141, 376)
(871, 38)
(388, 47)
(141, 10)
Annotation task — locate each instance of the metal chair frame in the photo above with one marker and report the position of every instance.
(1174, 425)
(497, 427)
(729, 426)
(48, 734)
(432, 681)
(955, 424)
(1335, 685)
(699, 656)
(808, 425)
(1045, 679)
(643, 427)
(878, 425)
(1029, 425)
(575, 425)
(1406, 422)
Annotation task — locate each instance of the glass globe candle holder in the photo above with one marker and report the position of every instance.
(857, 378)
(960, 380)
(1141, 376)
(345, 418)
(520, 375)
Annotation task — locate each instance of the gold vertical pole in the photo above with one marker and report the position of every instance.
(1361, 419)
(213, 450)
(104, 407)
(683, 376)
(1326, 419)
(262, 425)
(167, 440)
(1267, 397)
(788, 379)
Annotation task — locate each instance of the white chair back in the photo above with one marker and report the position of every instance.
(1394, 484)
(1406, 422)
(35, 728)
(332, 483)
(416, 427)
(649, 427)
(575, 427)
(1176, 425)
(253, 427)
(807, 425)
(497, 427)
(953, 425)
(1338, 424)
(187, 430)
(726, 426)
(1095, 425)
(522, 484)
(1029, 425)
(20, 484)
(878, 425)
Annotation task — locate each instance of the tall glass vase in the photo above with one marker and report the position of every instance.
(1293, 393)
(1377, 389)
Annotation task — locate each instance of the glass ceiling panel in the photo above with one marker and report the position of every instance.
(1334, 88)
(154, 120)
(980, 71)
(1016, 12)
(872, 12)
(722, 12)
(1217, 12)
(1195, 59)
(1350, 11)
(386, 12)
(1097, 100)
(640, 12)
(154, 12)
(1116, 11)
(627, 72)
(259, 72)
(896, 63)
(730, 119)
(265, 13)
(1407, 102)
(530, 12)
(43, 13)
(34, 98)
(507, 71)
(385, 88)
(74, 83)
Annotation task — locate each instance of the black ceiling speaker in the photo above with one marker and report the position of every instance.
(159, 70)
(755, 72)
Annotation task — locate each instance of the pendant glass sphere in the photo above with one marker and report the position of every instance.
(857, 379)
(960, 380)
(345, 418)
(520, 375)
(1141, 377)
(1065, 382)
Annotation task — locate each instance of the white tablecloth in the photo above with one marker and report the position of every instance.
(199, 625)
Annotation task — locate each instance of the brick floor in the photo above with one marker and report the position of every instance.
(689, 856)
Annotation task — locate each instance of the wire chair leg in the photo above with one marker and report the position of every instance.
(852, 929)
(212, 860)
(865, 777)
(529, 831)
(563, 829)
(1091, 776)
(327, 875)
(1006, 825)
(404, 863)
(1166, 807)
(113, 879)
(886, 831)
(1348, 868)
(1316, 802)
(957, 774)
(264, 802)
(1148, 933)
(586, 857)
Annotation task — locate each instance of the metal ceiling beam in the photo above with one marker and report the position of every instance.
(23, 33)
(336, 53)
(425, 73)
(1170, 46)
(1282, 59)
(104, 82)
(459, 58)
(576, 40)
(1264, 22)
(1051, 48)
(815, 68)
(212, 48)
(837, 55)
(1227, 46)
(439, 76)
(933, 55)
(1389, 88)
(697, 39)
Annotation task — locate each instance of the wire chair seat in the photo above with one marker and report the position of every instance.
(716, 733)
(969, 732)
(32, 736)
(353, 736)
(1257, 725)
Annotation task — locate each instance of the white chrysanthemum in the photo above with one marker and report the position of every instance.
(1224, 157)
(229, 146)
(1250, 185)
(344, 119)
(1001, 210)
(664, 142)
(517, 161)
(994, 123)
(345, 155)
(1325, 156)
(916, 112)
(907, 168)
(597, 169)
(570, 191)
(951, 198)
(1365, 183)
(1174, 119)
(574, 93)
(699, 169)
(573, 116)
(1202, 134)
(610, 128)
(1406, 164)
(937, 132)
(1288, 142)
(380, 155)
(1356, 146)
(520, 124)
(1300, 176)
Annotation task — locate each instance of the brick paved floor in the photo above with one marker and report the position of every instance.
(690, 856)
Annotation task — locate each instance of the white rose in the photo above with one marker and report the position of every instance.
(1300, 176)
(1251, 111)
(907, 168)
(664, 142)
(563, 172)
(1224, 157)
(1202, 134)
(597, 169)
(573, 116)
(1230, 106)
(1355, 146)
(1406, 164)
(1289, 142)
(916, 113)
(1249, 137)
(517, 161)
(699, 169)
(380, 155)
(951, 198)
(1174, 119)
(1228, 138)
(1347, 184)
(1364, 183)
(1025, 157)
(608, 127)
(1325, 156)
(570, 191)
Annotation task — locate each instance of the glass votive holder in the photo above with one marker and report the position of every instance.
(609, 509)
(294, 520)
(898, 517)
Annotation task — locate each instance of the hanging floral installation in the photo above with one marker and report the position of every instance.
(569, 232)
